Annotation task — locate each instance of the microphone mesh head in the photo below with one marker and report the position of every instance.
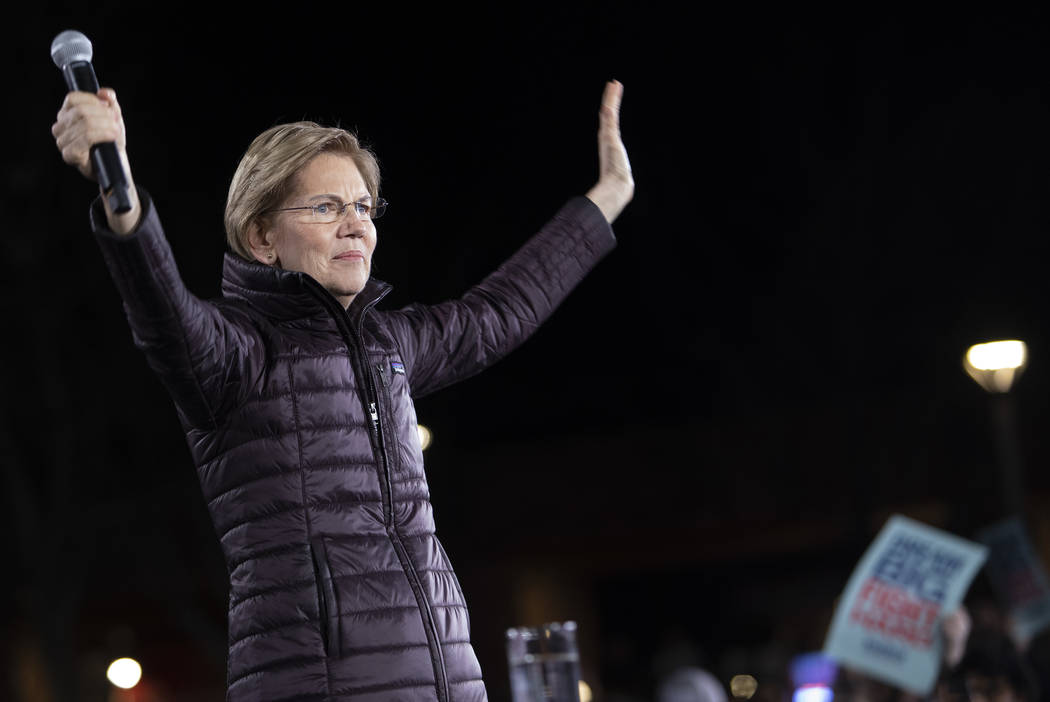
(70, 46)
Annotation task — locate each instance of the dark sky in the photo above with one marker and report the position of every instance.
(829, 210)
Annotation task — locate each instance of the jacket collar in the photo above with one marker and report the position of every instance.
(287, 295)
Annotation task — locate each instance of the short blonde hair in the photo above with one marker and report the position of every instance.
(266, 173)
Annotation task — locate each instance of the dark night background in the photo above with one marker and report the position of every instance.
(697, 447)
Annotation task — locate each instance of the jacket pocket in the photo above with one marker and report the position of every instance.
(455, 579)
(327, 603)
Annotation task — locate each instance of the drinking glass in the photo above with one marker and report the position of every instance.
(544, 663)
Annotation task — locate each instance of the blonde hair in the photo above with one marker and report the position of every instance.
(266, 173)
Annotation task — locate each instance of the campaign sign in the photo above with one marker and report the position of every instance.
(1018, 578)
(888, 622)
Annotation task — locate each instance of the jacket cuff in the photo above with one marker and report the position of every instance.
(589, 216)
(589, 236)
(147, 219)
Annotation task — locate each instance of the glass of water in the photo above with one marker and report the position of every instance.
(544, 663)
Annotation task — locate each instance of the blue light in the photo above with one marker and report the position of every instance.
(813, 693)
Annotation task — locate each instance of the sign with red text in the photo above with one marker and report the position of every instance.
(888, 622)
(1018, 577)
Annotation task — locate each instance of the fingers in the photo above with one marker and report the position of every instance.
(611, 152)
(615, 186)
(84, 120)
(81, 119)
(609, 117)
(610, 110)
(109, 96)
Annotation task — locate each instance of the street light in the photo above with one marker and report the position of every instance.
(996, 366)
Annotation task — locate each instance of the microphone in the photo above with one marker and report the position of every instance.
(71, 51)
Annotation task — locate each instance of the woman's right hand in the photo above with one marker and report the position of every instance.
(87, 119)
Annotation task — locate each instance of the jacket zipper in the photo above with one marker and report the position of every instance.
(430, 624)
(359, 360)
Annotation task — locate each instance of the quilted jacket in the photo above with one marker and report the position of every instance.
(300, 421)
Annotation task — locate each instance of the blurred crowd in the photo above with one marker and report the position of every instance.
(982, 662)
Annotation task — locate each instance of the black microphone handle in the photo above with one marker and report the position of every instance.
(109, 170)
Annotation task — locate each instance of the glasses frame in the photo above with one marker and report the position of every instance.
(379, 208)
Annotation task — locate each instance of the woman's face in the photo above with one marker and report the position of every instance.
(338, 255)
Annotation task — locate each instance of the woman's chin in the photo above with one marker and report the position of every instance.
(348, 287)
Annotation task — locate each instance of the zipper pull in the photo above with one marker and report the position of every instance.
(381, 367)
(375, 415)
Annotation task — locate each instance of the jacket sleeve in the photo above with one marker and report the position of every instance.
(445, 343)
(197, 352)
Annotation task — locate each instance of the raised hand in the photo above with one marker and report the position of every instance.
(615, 186)
(84, 120)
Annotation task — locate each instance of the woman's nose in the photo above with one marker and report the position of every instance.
(352, 225)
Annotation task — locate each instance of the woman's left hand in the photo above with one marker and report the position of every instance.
(615, 186)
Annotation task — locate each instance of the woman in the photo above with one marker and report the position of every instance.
(296, 398)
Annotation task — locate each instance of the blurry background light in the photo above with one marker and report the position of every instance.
(743, 686)
(812, 674)
(997, 364)
(813, 693)
(425, 436)
(585, 692)
(997, 354)
(124, 672)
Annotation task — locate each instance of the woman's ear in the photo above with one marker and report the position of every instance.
(260, 243)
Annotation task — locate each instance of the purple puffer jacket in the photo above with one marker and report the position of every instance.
(300, 420)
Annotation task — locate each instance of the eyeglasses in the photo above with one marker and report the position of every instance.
(331, 211)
